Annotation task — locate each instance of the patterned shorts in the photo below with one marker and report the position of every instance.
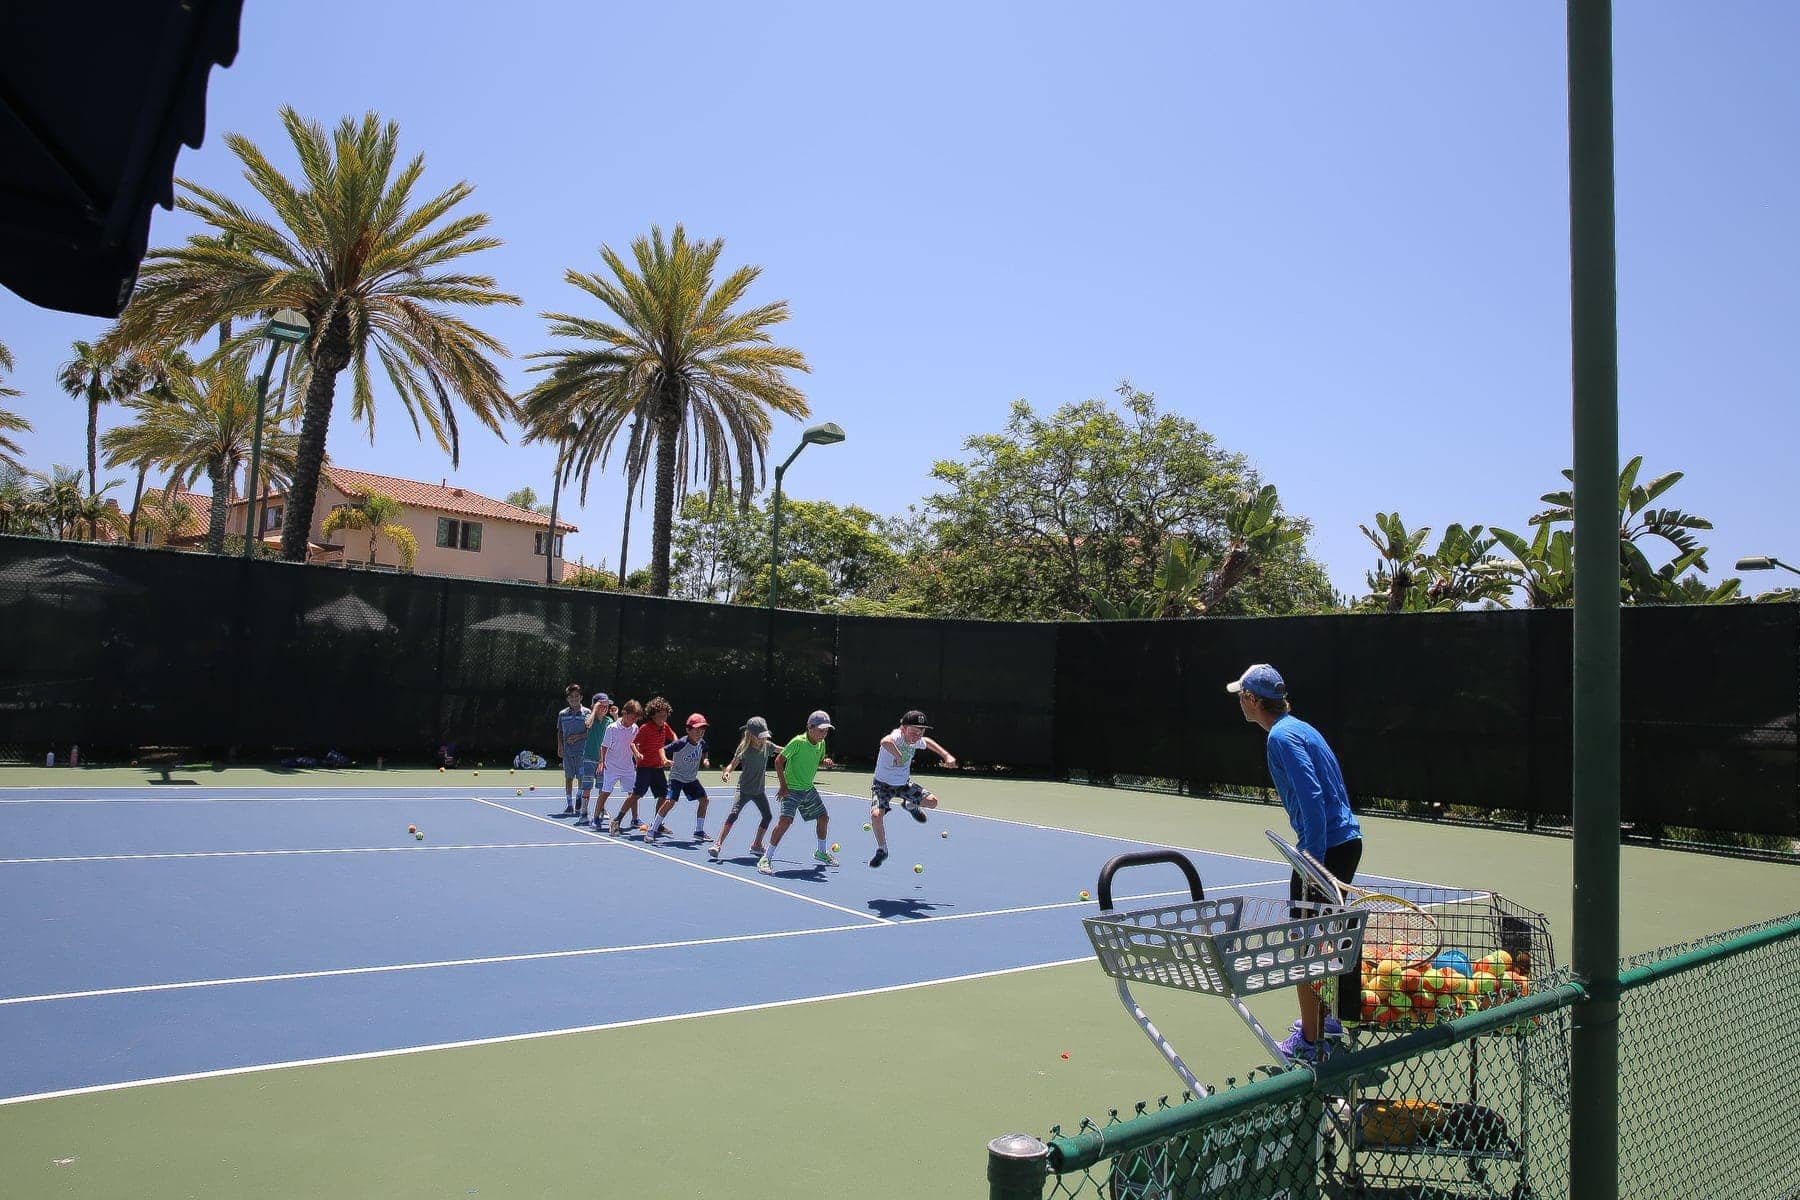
(886, 793)
(804, 801)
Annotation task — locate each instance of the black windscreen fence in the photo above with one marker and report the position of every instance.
(117, 649)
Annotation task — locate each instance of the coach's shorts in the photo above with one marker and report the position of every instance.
(618, 779)
(693, 789)
(651, 781)
(886, 793)
(571, 766)
(589, 767)
(1341, 860)
(804, 801)
(760, 799)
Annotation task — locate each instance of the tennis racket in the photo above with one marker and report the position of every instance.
(1393, 927)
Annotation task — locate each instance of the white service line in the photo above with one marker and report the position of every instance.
(179, 798)
(541, 955)
(547, 1033)
(87, 858)
(706, 868)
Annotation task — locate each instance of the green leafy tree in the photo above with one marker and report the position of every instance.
(1402, 559)
(1459, 571)
(1543, 568)
(1638, 525)
(165, 516)
(20, 511)
(830, 554)
(593, 579)
(10, 422)
(527, 497)
(379, 516)
(379, 275)
(702, 374)
(1255, 531)
(203, 423)
(1069, 514)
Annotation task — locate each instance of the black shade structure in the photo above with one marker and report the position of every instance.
(96, 100)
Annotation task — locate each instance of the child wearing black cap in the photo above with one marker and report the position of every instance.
(893, 777)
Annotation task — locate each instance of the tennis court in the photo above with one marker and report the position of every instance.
(513, 1006)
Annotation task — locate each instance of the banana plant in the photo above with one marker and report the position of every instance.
(1543, 567)
(1457, 571)
(1638, 522)
(1254, 530)
(1401, 558)
(1180, 571)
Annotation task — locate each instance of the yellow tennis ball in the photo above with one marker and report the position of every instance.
(518, 791)
(918, 868)
(440, 770)
(835, 847)
(944, 833)
(867, 827)
(1085, 896)
(1485, 983)
(478, 773)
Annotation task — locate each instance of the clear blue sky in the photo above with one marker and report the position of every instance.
(1334, 236)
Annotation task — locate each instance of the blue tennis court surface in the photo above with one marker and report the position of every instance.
(157, 933)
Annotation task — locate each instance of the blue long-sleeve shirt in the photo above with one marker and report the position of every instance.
(1311, 786)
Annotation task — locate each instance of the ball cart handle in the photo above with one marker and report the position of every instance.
(1139, 858)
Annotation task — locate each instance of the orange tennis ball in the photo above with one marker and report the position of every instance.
(1411, 980)
(1386, 1016)
(412, 829)
(1431, 980)
(1371, 1004)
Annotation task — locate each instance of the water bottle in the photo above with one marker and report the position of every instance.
(50, 759)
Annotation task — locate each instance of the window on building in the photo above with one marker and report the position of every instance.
(271, 518)
(459, 535)
(538, 540)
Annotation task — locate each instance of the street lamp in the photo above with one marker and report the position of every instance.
(1764, 562)
(286, 328)
(826, 434)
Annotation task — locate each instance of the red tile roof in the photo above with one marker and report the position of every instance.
(438, 497)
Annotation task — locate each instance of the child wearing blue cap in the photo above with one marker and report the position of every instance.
(1311, 786)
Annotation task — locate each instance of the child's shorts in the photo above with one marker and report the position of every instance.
(760, 799)
(651, 781)
(886, 793)
(804, 801)
(571, 766)
(589, 766)
(693, 789)
(618, 779)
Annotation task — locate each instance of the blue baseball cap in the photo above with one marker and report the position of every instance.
(1260, 680)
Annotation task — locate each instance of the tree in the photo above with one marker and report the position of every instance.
(830, 553)
(1543, 567)
(19, 508)
(1069, 515)
(164, 515)
(377, 276)
(527, 498)
(153, 367)
(1639, 523)
(1256, 530)
(96, 375)
(379, 515)
(1401, 559)
(203, 424)
(703, 374)
(10, 422)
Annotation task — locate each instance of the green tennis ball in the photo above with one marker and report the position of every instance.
(1084, 895)
(835, 847)
(418, 837)
(918, 868)
(1485, 984)
(867, 827)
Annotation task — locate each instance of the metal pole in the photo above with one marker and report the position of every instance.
(1016, 1167)
(251, 533)
(1594, 1108)
(775, 535)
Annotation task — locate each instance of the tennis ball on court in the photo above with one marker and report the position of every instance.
(478, 774)
(1084, 894)
(518, 791)
(511, 771)
(867, 827)
(944, 833)
(918, 868)
(418, 837)
(440, 770)
(835, 847)
(412, 829)
(532, 788)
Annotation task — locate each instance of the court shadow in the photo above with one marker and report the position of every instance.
(905, 909)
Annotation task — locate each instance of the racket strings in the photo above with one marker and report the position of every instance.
(1402, 931)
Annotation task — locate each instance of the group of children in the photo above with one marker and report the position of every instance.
(631, 748)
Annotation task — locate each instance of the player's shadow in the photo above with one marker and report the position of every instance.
(904, 909)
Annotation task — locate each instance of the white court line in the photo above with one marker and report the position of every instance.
(706, 868)
(415, 849)
(547, 1033)
(545, 955)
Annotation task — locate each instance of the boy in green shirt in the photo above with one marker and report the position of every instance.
(599, 719)
(795, 769)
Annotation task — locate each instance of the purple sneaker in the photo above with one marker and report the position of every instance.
(1295, 1048)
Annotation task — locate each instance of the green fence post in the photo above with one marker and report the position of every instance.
(1016, 1168)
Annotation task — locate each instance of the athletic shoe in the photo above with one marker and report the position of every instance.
(699, 835)
(613, 829)
(880, 856)
(582, 823)
(1334, 1028)
(568, 811)
(651, 833)
(765, 866)
(1295, 1048)
(758, 850)
(599, 821)
(912, 806)
(712, 852)
(823, 858)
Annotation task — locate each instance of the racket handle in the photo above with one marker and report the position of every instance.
(1139, 858)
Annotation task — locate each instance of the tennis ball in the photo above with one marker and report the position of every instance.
(1500, 961)
(419, 837)
(532, 788)
(1386, 1016)
(1410, 980)
(944, 833)
(1084, 895)
(1484, 983)
(1065, 1055)
(1431, 980)
(1455, 982)
(1371, 1004)
(867, 827)
(835, 847)
(1423, 1002)
(1401, 1003)
(511, 771)
(412, 829)
(440, 770)
(1387, 966)
(518, 791)
(478, 774)
(918, 868)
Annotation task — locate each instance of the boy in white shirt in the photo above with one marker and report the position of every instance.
(893, 777)
(618, 760)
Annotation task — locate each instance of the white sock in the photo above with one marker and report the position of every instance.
(821, 845)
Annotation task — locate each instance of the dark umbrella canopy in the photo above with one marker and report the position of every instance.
(95, 102)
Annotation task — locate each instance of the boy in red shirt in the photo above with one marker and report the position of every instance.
(653, 736)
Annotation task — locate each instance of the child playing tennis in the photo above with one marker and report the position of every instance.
(571, 732)
(753, 756)
(618, 762)
(653, 738)
(599, 718)
(893, 777)
(795, 769)
(687, 755)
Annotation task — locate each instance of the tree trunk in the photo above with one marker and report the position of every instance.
(137, 502)
(555, 499)
(215, 525)
(331, 356)
(668, 429)
(93, 434)
(630, 487)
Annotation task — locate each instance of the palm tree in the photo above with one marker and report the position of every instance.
(203, 423)
(10, 422)
(19, 511)
(379, 515)
(96, 375)
(1401, 557)
(704, 376)
(165, 515)
(57, 500)
(374, 273)
(1255, 530)
(152, 367)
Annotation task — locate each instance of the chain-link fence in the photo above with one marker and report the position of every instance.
(1479, 1106)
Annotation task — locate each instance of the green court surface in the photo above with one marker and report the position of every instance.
(886, 1095)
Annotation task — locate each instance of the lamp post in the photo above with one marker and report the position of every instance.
(286, 328)
(826, 434)
(1764, 562)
